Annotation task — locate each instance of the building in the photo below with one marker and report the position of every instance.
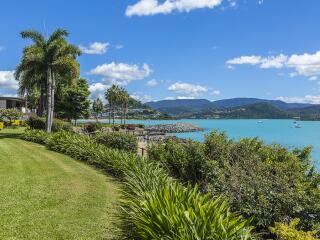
(13, 102)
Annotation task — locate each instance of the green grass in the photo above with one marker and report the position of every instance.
(46, 195)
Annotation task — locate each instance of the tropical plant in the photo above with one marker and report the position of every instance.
(47, 60)
(10, 114)
(268, 182)
(118, 140)
(97, 108)
(40, 124)
(289, 231)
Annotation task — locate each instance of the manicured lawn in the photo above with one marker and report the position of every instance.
(46, 195)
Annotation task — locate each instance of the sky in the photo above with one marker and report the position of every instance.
(174, 49)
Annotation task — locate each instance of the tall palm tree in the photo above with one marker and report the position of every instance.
(112, 96)
(54, 59)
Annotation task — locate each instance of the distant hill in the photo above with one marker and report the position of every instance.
(236, 108)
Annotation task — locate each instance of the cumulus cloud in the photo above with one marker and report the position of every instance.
(97, 90)
(95, 48)
(215, 92)
(7, 80)
(121, 73)
(305, 99)
(141, 97)
(304, 65)
(152, 83)
(152, 7)
(191, 90)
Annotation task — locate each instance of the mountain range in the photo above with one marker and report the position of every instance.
(236, 108)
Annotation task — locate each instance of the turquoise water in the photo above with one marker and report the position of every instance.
(278, 131)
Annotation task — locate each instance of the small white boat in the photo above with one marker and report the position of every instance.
(260, 121)
(297, 126)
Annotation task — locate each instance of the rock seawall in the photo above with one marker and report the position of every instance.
(174, 128)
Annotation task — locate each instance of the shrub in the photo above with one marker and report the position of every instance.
(93, 127)
(118, 140)
(37, 136)
(183, 160)
(268, 182)
(154, 205)
(40, 123)
(290, 232)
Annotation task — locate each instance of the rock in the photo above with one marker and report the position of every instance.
(174, 128)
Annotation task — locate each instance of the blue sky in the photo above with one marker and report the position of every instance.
(170, 49)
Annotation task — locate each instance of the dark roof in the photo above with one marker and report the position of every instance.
(13, 99)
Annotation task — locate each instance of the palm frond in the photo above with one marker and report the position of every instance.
(35, 36)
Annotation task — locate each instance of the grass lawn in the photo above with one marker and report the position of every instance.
(46, 195)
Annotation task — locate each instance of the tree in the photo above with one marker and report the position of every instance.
(112, 96)
(10, 114)
(75, 103)
(97, 108)
(50, 60)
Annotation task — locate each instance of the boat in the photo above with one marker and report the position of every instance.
(297, 125)
(260, 122)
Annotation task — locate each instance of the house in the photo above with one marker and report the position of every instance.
(13, 102)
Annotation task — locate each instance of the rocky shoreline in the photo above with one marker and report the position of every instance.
(174, 128)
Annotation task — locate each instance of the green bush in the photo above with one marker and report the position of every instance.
(267, 182)
(40, 123)
(93, 127)
(183, 160)
(37, 136)
(118, 140)
(289, 231)
(154, 206)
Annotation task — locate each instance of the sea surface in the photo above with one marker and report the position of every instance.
(270, 131)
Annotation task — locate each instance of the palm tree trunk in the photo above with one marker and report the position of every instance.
(49, 99)
(42, 99)
(109, 113)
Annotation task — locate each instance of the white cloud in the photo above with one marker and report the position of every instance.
(252, 60)
(304, 65)
(186, 88)
(305, 99)
(314, 78)
(178, 97)
(215, 92)
(97, 90)
(141, 97)
(152, 83)
(118, 46)
(152, 7)
(95, 48)
(121, 73)
(185, 97)
(7, 80)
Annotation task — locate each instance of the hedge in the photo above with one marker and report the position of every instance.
(154, 206)
(118, 140)
(40, 124)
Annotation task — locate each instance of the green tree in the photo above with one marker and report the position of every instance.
(75, 103)
(112, 96)
(97, 108)
(51, 59)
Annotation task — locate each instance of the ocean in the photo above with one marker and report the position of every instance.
(270, 131)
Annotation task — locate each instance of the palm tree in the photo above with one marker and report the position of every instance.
(112, 96)
(51, 58)
(124, 98)
(97, 108)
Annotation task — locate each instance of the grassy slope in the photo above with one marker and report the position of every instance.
(46, 195)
